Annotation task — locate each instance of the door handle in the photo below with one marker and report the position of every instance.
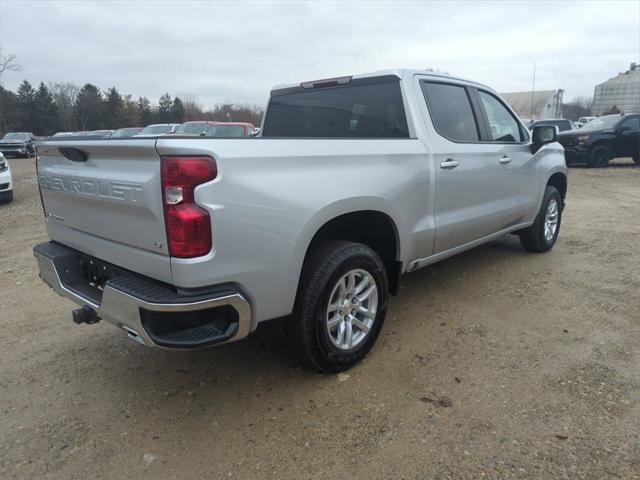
(449, 164)
(504, 160)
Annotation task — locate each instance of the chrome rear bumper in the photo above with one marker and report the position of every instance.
(124, 301)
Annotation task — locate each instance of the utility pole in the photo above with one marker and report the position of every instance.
(533, 88)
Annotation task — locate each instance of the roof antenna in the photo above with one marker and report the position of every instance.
(533, 88)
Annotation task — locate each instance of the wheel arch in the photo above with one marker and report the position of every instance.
(559, 181)
(374, 227)
(607, 142)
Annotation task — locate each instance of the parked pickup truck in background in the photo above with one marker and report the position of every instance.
(603, 139)
(193, 241)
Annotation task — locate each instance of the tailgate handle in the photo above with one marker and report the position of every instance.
(74, 154)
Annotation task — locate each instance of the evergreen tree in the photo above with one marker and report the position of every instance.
(46, 114)
(8, 110)
(164, 110)
(88, 109)
(114, 116)
(26, 103)
(145, 113)
(177, 111)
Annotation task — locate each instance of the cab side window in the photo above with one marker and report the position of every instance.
(450, 110)
(633, 123)
(504, 127)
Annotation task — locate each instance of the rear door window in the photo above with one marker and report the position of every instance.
(368, 108)
(450, 110)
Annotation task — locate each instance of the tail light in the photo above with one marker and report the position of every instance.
(188, 225)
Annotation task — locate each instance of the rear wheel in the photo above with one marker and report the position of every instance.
(340, 307)
(599, 157)
(636, 159)
(542, 235)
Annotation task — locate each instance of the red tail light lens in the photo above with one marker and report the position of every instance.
(188, 225)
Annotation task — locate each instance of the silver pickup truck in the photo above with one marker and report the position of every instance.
(189, 242)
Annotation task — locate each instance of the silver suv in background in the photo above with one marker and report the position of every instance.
(186, 242)
(20, 144)
(158, 129)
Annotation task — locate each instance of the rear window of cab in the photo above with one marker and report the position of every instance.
(366, 108)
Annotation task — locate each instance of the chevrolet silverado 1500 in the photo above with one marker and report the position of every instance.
(189, 242)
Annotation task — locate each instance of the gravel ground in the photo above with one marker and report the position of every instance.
(496, 363)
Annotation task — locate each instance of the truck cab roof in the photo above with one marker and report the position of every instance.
(401, 73)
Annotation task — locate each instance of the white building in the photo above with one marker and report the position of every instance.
(535, 105)
(621, 91)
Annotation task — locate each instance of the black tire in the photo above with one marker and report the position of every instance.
(636, 159)
(307, 329)
(6, 197)
(599, 156)
(533, 238)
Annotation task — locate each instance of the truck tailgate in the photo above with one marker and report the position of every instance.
(103, 198)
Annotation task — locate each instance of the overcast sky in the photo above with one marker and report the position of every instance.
(235, 51)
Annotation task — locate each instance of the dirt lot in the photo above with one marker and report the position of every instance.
(496, 363)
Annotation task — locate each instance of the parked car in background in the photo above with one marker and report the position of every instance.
(20, 144)
(6, 181)
(230, 129)
(582, 121)
(193, 241)
(158, 129)
(126, 132)
(602, 139)
(84, 133)
(194, 128)
(102, 133)
(562, 124)
(62, 134)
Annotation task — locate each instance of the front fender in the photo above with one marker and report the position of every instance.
(550, 161)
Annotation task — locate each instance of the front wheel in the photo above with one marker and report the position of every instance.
(542, 235)
(6, 197)
(340, 307)
(599, 157)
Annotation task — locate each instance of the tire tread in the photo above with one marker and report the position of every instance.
(318, 268)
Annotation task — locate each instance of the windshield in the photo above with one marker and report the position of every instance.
(197, 127)
(226, 131)
(602, 122)
(16, 136)
(125, 132)
(156, 130)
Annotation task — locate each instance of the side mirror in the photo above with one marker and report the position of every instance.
(622, 129)
(543, 134)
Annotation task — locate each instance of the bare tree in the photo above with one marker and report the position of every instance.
(192, 108)
(576, 108)
(64, 96)
(9, 62)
